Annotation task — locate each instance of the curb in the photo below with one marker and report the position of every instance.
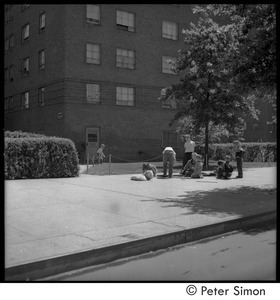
(56, 265)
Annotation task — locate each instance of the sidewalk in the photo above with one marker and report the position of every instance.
(55, 225)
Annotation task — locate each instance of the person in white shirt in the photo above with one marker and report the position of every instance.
(169, 157)
(189, 146)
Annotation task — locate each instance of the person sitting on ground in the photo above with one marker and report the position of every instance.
(146, 176)
(148, 166)
(228, 169)
(197, 173)
(220, 169)
(189, 166)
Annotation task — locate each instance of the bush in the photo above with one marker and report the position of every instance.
(40, 157)
(254, 152)
(21, 134)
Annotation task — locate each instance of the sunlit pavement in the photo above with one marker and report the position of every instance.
(51, 218)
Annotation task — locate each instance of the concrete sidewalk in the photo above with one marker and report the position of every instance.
(55, 225)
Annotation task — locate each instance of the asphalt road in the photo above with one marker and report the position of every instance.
(246, 255)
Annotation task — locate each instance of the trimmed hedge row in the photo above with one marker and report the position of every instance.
(257, 152)
(39, 157)
(21, 134)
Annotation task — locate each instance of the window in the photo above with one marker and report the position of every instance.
(125, 96)
(25, 66)
(6, 103)
(42, 22)
(169, 30)
(11, 72)
(93, 54)
(93, 13)
(41, 98)
(11, 103)
(6, 45)
(125, 21)
(25, 33)
(93, 93)
(169, 139)
(125, 58)
(167, 64)
(169, 103)
(11, 42)
(6, 74)
(9, 16)
(41, 59)
(25, 100)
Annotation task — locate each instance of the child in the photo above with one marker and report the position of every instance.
(198, 167)
(147, 175)
(228, 169)
(239, 152)
(189, 167)
(169, 156)
(151, 167)
(220, 169)
(100, 154)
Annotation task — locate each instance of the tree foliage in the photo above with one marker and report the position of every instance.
(223, 65)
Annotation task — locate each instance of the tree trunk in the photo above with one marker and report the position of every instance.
(206, 159)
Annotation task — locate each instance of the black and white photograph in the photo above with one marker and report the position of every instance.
(140, 144)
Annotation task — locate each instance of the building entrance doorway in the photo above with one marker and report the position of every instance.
(92, 141)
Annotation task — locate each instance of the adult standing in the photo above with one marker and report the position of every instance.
(189, 149)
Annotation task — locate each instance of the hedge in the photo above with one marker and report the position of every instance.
(257, 152)
(40, 157)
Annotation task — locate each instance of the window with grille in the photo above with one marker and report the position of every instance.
(125, 96)
(25, 33)
(167, 64)
(169, 139)
(125, 21)
(170, 30)
(41, 98)
(42, 21)
(93, 13)
(42, 60)
(93, 54)
(25, 66)
(93, 93)
(125, 58)
(25, 100)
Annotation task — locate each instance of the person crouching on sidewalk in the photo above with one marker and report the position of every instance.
(228, 169)
(189, 167)
(148, 166)
(169, 157)
(197, 173)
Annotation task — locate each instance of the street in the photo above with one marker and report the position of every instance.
(237, 256)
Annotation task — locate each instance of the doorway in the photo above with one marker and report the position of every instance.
(92, 141)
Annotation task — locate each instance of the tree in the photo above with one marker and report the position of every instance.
(207, 92)
(254, 64)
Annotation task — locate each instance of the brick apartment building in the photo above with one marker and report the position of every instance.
(93, 73)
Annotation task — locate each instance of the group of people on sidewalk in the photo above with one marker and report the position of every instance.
(193, 163)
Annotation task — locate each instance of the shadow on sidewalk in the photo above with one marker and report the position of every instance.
(231, 201)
